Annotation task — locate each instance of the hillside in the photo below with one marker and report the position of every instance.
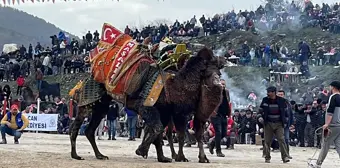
(22, 28)
(242, 80)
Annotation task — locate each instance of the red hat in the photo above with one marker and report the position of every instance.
(14, 107)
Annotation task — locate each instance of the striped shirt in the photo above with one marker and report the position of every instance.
(274, 112)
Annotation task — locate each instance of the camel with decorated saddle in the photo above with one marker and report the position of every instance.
(126, 71)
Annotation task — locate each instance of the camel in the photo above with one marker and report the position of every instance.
(197, 79)
(201, 106)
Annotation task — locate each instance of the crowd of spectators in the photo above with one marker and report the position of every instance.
(244, 122)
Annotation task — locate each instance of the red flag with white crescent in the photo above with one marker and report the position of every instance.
(110, 34)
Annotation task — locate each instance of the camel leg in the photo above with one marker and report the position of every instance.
(199, 131)
(159, 149)
(180, 124)
(74, 131)
(143, 148)
(171, 140)
(100, 110)
(153, 132)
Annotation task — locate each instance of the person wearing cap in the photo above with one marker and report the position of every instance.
(274, 119)
(332, 124)
(13, 123)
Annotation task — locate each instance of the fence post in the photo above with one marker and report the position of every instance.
(38, 108)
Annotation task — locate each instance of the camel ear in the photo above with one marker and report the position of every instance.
(205, 53)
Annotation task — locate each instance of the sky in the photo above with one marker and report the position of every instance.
(77, 17)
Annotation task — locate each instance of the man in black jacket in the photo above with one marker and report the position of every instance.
(111, 120)
(274, 116)
(219, 121)
(290, 119)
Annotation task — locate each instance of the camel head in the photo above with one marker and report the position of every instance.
(200, 72)
(210, 72)
(211, 88)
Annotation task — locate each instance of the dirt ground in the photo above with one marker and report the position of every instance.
(39, 150)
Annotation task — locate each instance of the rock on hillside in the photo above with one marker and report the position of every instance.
(22, 28)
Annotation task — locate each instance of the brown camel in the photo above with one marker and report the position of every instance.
(182, 94)
(201, 106)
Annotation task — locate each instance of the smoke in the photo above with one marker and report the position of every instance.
(279, 6)
(220, 52)
(239, 90)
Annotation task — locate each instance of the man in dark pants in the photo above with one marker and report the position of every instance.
(219, 121)
(290, 120)
(332, 124)
(112, 120)
(275, 119)
(300, 117)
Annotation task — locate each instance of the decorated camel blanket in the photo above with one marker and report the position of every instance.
(115, 61)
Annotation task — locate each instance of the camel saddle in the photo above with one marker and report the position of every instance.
(120, 66)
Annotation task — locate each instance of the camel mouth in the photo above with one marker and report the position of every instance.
(217, 80)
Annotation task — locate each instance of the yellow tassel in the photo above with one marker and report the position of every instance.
(78, 86)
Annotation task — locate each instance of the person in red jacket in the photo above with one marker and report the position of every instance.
(20, 83)
(231, 133)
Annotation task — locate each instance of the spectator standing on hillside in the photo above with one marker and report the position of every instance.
(30, 52)
(304, 51)
(39, 77)
(127, 30)
(24, 69)
(62, 48)
(7, 92)
(96, 36)
(274, 117)
(22, 51)
(111, 120)
(88, 37)
(13, 123)
(46, 64)
(15, 70)
(2, 71)
(132, 121)
(20, 83)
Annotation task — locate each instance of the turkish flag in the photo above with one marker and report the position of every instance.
(110, 34)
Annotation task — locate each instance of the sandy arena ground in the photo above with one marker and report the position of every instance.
(52, 151)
